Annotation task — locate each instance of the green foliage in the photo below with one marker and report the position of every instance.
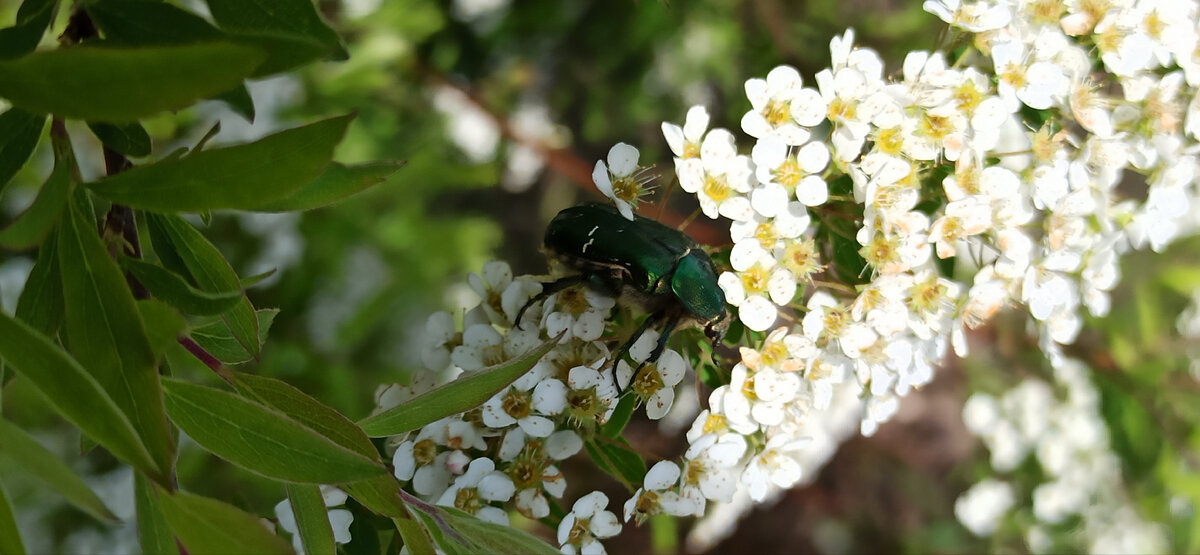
(468, 391)
(262, 439)
(32, 226)
(309, 508)
(40, 462)
(154, 532)
(19, 133)
(10, 536)
(206, 525)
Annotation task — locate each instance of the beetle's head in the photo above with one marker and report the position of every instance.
(715, 329)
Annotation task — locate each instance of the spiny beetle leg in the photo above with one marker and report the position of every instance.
(659, 347)
(548, 289)
(624, 350)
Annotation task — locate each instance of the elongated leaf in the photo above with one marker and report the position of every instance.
(305, 410)
(262, 439)
(164, 325)
(72, 391)
(40, 462)
(250, 281)
(41, 302)
(32, 19)
(316, 534)
(379, 494)
(208, 269)
(335, 183)
(617, 459)
(218, 340)
(414, 536)
(292, 19)
(32, 226)
(105, 330)
(129, 139)
(468, 534)
(176, 291)
(468, 391)
(205, 525)
(124, 84)
(159, 23)
(19, 134)
(10, 537)
(154, 533)
(237, 177)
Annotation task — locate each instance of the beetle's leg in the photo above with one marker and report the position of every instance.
(659, 347)
(548, 289)
(624, 350)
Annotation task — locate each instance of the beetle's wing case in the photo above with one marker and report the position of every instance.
(594, 237)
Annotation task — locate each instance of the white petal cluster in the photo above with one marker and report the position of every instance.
(1060, 426)
(339, 518)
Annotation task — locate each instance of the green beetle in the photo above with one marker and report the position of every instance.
(659, 266)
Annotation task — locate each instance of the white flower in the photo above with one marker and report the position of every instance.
(981, 507)
(776, 465)
(515, 405)
(495, 279)
(620, 180)
(771, 101)
(711, 464)
(657, 495)
(481, 483)
(580, 312)
(720, 178)
(685, 141)
(588, 521)
(656, 381)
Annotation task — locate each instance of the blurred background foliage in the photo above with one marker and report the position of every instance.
(500, 108)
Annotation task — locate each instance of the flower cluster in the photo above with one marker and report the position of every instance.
(874, 221)
(1058, 424)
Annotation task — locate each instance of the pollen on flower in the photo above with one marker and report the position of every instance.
(693, 471)
(935, 127)
(579, 531)
(691, 149)
(967, 96)
(754, 279)
(1153, 25)
(525, 473)
(424, 452)
(1048, 11)
(716, 188)
(714, 423)
(1014, 75)
(626, 189)
(889, 140)
(573, 301)
(776, 113)
(766, 235)
(841, 110)
(800, 257)
(881, 251)
(584, 404)
(748, 388)
(648, 381)
(788, 174)
(772, 354)
(467, 499)
(516, 404)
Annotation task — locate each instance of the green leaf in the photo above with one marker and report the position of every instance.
(154, 533)
(32, 19)
(19, 134)
(617, 459)
(41, 302)
(236, 177)
(40, 462)
(103, 328)
(250, 281)
(262, 439)
(312, 520)
(129, 139)
(478, 536)
(335, 183)
(10, 536)
(173, 289)
(470, 390)
(205, 525)
(72, 391)
(124, 84)
(220, 342)
(164, 326)
(620, 416)
(239, 100)
(143, 23)
(379, 494)
(295, 20)
(304, 409)
(186, 251)
(414, 536)
(32, 226)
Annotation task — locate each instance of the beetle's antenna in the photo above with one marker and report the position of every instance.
(688, 220)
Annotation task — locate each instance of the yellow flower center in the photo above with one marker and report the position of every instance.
(754, 279)
(648, 381)
(788, 173)
(714, 423)
(765, 233)
(841, 110)
(516, 404)
(691, 149)
(424, 452)
(467, 500)
(1048, 11)
(967, 96)
(889, 140)
(800, 257)
(626, 189)
(716, 188)
(573, 301)
(775, 112)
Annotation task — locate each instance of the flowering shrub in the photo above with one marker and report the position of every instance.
(875, 219)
